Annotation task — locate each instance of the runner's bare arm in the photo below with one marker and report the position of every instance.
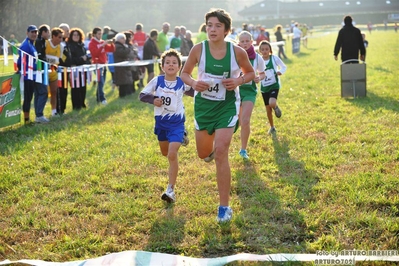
(192, 60)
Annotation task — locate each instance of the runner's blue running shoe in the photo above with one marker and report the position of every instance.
(244, 154)
(224, 214)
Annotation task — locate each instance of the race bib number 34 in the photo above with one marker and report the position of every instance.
(216, 90)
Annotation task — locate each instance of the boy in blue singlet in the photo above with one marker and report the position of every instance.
(165, 92)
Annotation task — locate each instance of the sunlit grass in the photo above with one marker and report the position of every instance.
(89, 183)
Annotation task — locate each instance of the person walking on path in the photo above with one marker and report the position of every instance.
(349, 42)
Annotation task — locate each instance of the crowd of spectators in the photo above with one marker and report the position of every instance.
(70, 47)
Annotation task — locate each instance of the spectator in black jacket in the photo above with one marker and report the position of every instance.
(123, 76)
(150, 51)
(79, 57)
(41, 91)
(136, 72)
(62, 92)
(350, 42)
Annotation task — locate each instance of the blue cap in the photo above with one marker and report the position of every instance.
(31, 28)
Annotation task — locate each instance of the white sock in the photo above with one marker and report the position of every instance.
(170, 187)
(54, 111)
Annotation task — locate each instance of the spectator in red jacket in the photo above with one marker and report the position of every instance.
(262, 36)
(139, 39)
(98, 50)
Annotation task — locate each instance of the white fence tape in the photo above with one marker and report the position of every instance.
(143, 258)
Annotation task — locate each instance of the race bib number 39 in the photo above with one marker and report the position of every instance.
(169, 100)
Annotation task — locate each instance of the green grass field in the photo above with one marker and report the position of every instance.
(89, 183)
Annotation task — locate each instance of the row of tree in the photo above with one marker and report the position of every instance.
(120, 15)
(16, 15)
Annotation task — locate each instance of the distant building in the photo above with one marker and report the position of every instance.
(274, 9)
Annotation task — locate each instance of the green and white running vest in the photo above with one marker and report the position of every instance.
(217, 102)
(270, 82)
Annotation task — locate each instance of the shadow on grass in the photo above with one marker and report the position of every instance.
(271, 221)
(373, 101)
(301, 54)
(167, 233)
(293, 172)
(381, 69)
(287, 61)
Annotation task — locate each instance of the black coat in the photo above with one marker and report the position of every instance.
(279, 37)
(66, 58)
(40, 45)
(150, 49)
(123, 74)
(78, 50)
(350, 42)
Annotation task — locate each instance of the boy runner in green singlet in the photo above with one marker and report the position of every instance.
(217, 99)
